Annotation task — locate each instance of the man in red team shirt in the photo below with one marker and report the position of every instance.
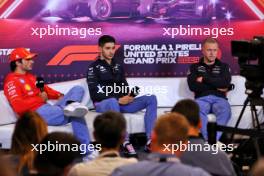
(23, 95)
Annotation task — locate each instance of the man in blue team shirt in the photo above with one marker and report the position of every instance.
(210, 79)
(106, 74)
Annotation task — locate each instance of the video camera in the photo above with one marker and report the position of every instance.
(251, 62)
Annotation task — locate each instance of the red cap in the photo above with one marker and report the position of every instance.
(21, 53)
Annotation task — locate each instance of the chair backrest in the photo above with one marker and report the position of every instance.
(7, 115)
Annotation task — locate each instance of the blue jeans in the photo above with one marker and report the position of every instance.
(54, 116)
(216, 105)
(148, 102)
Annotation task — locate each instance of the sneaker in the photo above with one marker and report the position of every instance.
(75, 109)
(147, 147)
(129, 150)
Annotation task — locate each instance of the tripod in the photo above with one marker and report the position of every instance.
(253, 101)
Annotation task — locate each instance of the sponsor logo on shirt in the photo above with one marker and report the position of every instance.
(22, 81)
(27, 87)
(102, 69)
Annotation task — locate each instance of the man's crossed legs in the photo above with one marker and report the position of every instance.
(58, 114)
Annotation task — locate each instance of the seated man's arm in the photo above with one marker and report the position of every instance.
(124, 81)
(20, 102)
(126, 95)
(193, 84)
(52, 94)
(221, 82)
(96, 91)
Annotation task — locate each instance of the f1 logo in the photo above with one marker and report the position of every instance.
(7, 7)
(257, 6)
(74, 53)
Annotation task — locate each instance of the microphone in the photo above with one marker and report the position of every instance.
(211, 129)
(134, 92)
(40, 83)
(231, 87)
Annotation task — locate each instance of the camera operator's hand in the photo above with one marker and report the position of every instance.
(125, 100)
(44, 96)
(199, 79)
